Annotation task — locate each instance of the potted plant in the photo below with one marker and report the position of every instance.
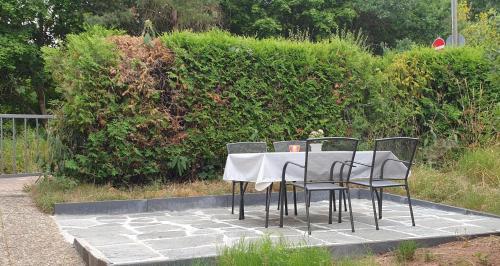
(316, 147)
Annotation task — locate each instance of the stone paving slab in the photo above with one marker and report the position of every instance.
(177, 235)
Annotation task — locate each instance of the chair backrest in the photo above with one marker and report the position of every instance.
(282, 146)
(385, 154)
(246, 147)
(322, 153)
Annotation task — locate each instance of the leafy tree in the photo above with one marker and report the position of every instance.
(482, 30)
(391, 20)
(166, 15)
(263, 18)
(479, 6)
(25, 26)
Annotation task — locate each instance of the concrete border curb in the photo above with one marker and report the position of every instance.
(90, 256)
(185, 203)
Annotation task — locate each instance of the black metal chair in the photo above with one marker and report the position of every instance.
(391, 164)
(319, 174)
(244, 147)
(283, 146)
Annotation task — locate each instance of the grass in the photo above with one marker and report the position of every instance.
(368, 260)
(28, 152)
(406, 251)
(482, 166)
(266, 252)
(470, 182)
(51, 190)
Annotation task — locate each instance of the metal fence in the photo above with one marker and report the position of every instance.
(23, 144)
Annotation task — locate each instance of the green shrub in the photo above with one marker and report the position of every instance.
(112, 124)
(265, 252)
(445, 95)
(406, 250)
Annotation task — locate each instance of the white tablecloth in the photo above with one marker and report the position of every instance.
(264, 168)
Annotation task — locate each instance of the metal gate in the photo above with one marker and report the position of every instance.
(23, 144)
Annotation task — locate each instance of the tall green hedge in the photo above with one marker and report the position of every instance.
(221, 88)
(446, 94)
(243, 89)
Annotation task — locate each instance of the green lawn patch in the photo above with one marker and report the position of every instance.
(265, 252)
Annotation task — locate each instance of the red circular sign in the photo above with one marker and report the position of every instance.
(438, 43)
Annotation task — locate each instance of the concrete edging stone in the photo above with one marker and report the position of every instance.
(185, 203)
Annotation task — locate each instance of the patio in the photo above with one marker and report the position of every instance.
(175, 236)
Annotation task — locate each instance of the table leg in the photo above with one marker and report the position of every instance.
(242, 201)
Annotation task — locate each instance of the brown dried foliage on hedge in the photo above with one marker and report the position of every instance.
(142, 70)
(121, 120)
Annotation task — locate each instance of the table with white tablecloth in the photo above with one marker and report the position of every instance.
(265, 168)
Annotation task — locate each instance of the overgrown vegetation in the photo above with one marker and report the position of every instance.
(29, 150)
(406, 250)
(471, 182)
(267, 252)
(51, 190)
(479, 251)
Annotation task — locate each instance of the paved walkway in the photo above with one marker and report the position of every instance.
(27, 236)
(163, 236)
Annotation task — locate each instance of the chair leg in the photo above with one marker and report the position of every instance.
(380, 204)
(308, 203)
(409, 203)
(286, 200)
(350, 209)
(232, 202)
(334, 205)
(279, 198)
(270, 194)
(345, 205)
(344, 197)
(330, 206)
(269, 190)
(282, 207)
(294, 201)
(379, 201)
(374, 210)
(340, 206)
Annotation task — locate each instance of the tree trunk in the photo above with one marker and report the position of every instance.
(174, 19)
(40, 94)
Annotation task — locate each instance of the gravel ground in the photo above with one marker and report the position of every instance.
(27, 236)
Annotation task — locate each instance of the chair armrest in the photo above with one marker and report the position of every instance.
(341, 168)
(359, 163)
(284, 169)
(387, 160)
(296, 164)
